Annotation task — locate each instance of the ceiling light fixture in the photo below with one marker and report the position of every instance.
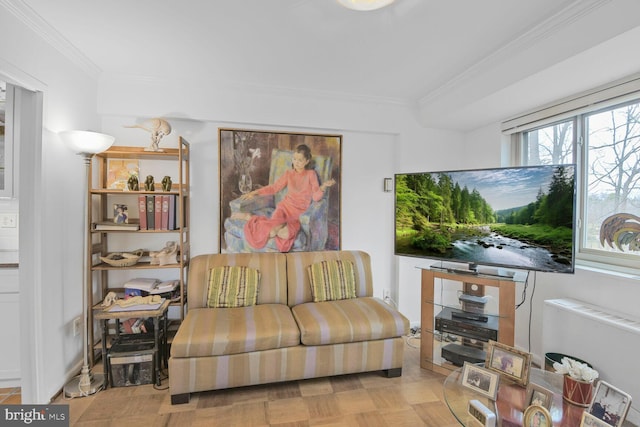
(365, 5)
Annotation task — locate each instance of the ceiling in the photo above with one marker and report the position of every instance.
(459, 63)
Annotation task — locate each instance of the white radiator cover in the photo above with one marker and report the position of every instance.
(609, 341)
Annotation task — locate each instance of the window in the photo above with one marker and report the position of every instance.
(605, 144)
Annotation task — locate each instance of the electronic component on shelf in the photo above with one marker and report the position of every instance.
(458, 354)
(484, 331)
(473, 303)
(469, 316)
(475, 299)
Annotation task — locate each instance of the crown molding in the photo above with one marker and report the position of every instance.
(260, 89)
(570, 13)
(50, 35)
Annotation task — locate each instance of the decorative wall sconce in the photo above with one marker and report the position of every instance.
(388, 185)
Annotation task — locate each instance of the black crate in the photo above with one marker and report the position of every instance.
(131, 363)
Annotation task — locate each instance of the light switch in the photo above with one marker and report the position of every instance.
(8, 220)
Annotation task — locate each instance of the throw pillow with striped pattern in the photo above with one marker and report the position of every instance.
(233, 286)
(332, 280)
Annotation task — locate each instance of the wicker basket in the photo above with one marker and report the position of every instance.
(122, 259)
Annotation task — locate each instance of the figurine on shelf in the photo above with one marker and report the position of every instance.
(132, 182)
(166, 183)
(149, 184)
(158, 128)
(165, 256)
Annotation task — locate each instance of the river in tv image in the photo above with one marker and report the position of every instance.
(497, 249)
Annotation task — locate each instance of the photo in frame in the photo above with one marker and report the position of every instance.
(537, 416)
(589, 420)
(480, 379)
(120, 213)
(279, 191)
(119, 171)
(509, 362)
(609, 404)
(538, 395)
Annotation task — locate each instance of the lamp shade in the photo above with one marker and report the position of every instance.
(364, 5)
(86, 142)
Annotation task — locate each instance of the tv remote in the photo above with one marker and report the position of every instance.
(469, 316)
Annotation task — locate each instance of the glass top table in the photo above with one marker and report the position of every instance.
(509, 405)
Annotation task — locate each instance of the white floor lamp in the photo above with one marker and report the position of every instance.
(86, 144)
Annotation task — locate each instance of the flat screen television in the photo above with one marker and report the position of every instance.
(520, 218)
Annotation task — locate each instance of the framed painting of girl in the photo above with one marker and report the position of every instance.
(279, 191)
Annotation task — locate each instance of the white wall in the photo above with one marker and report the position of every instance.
(51, 197)
(373, 132)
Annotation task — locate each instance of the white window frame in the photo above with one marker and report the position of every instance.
(577, 107)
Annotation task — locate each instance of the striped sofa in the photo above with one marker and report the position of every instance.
(285, 336)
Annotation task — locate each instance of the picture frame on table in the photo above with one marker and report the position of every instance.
(609, 404)
(589, 420)
(537, 416)
(480, 379)
(509, 362)
(538, 395)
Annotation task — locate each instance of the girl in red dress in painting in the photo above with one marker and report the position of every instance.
(302, 187)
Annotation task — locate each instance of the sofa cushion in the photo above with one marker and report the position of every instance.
(332, 280)
(348, 320)
(272, 268)
(233, 286)
(299, 286)
(222, 331)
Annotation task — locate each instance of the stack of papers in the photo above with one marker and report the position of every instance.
(115, 308)
(146, 285)
(164, 287)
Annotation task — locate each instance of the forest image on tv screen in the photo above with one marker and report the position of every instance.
(519, 217)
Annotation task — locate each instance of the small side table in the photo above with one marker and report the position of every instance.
(160, 323)
(509, 405)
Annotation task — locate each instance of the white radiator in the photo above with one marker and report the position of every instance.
(609, 341)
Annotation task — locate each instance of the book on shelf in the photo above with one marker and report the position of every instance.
(157, 209)
(165, 212)
(172, 212)
(150, 213)
(142, 209)
(113, 226)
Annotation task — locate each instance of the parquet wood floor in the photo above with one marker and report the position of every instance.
(369, 399)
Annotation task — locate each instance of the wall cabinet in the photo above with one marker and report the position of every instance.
(465, 328)
(109, 195)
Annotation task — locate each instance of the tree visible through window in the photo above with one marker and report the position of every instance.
(613, 187)
(610, 179)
